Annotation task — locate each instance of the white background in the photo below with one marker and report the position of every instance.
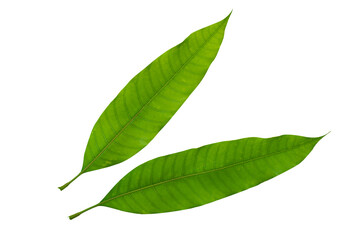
(285, 67)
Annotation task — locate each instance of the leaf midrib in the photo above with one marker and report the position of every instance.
(150, 100)
(209, 171)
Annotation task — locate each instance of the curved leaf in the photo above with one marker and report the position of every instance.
(150, 99)
(198, 176)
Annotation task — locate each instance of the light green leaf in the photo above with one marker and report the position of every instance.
(150, 99)
(198, 176)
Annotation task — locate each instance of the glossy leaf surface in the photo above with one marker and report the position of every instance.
(198, 176)
(150, 99)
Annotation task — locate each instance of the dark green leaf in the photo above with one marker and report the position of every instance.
(150, 99)
(198, 176)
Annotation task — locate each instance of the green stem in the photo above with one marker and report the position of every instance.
(68, 183)
(79, 213)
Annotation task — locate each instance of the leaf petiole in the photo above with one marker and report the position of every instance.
(68, 183)
(81, 212)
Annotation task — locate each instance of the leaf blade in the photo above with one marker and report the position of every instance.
(151, 98)
(206, 174)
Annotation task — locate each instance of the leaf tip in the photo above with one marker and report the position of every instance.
(317, 139)
(327, 133)
(228, 16)
(324, 135)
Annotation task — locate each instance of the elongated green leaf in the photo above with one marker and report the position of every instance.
(198, 176)
(150, 99)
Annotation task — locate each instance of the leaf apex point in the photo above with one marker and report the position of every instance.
(326, 134)
(228, 16)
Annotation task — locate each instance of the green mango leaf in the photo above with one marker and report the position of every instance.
(202, 175)
(150, 99)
